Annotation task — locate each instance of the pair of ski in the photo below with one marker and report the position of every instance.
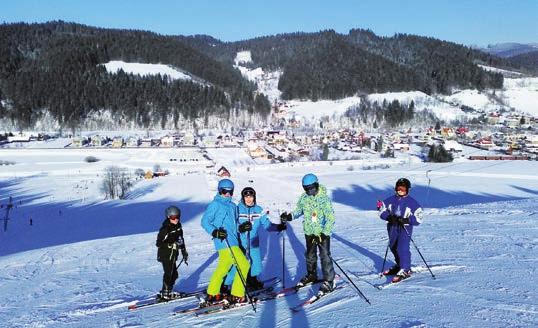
(258, 296)
(416, 270)
(156, 300)
(299, 307)
(224, 306)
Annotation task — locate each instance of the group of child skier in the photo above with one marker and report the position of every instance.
(235, 232)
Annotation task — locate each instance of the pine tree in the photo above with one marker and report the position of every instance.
(325, 154)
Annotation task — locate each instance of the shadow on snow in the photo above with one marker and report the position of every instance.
(57, 223)
(364, 198)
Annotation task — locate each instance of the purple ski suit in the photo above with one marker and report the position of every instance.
(406, 207)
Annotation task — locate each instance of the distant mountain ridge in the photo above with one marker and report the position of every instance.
(510, 49)
(330, 65)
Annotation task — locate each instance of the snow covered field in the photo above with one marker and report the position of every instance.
(145, 69)
(84, 260)
(519, 92)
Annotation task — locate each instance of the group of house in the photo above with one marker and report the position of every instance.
(23, 137)
(167, 141)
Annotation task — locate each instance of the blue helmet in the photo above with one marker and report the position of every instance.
(225, 184)
(310, 184)
(309, 179)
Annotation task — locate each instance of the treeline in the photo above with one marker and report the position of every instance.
(331, 65)
(441, 65)
(527, 61)
(390, 114)
(56, 67)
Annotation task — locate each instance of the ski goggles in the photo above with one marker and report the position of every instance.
(173, 217)
(311, 189)
(226, 191)
(248, 193)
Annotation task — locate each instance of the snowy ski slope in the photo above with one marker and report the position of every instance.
(84, 259)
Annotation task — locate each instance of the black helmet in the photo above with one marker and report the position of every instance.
(172, 211)
(247, 191)
(403, 182)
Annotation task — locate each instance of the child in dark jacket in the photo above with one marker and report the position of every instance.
(170, 242)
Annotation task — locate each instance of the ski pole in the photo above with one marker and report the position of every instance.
(177, 267)
(384, 259)
(283, 258)
(240, 275)
(428, 190)
(351, 281)
(386, 252)
(248, 245)
(427, 266)
(283, 253)
(248, 235)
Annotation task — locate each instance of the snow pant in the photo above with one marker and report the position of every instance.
(313, 243)
(399, 244)
(226, 261)
(170, 274)
(255, 266)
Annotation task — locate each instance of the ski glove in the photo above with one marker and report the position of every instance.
(245, 226)
(286, 216)
(379, 204)
(402, 220)
(282, 226)
(185, 255)
(179, 244)
(220, 233)
(392, 219)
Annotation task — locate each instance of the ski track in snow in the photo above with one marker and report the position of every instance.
(482, 249)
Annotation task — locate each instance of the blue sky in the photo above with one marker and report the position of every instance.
(463, 21)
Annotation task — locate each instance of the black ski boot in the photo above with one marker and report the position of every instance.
(327, 287)
(392, 271)
(254, 284)
(212, 299)
(306, 280)
(237, 299)
(165, 295)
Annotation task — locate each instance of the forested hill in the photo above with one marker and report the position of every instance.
(332, 65)
(528, 61)
(55, 67)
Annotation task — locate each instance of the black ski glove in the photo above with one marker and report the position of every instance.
(392, 219)
(282, 226)
(245, 226)
(185, 255)
(402, 220)
(286, 216)
(220, 233)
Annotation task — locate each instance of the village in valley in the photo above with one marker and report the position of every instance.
(501, 136)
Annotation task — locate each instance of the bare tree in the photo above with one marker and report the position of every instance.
(116, 182)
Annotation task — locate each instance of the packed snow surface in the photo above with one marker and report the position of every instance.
(85, 259)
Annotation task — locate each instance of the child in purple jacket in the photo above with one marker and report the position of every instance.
(401, 212)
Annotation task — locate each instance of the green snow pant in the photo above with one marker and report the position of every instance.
(226, 261)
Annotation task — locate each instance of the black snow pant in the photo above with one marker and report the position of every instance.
(313, 243)
(170, 274)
